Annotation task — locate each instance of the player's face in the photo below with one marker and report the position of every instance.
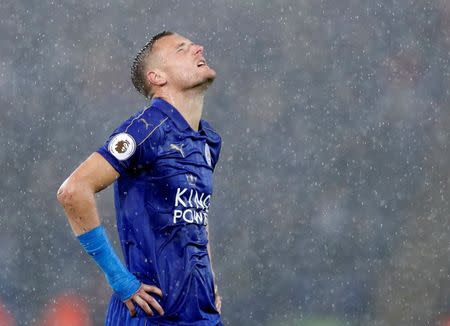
(183, 63)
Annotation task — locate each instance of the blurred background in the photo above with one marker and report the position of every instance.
(331, 196)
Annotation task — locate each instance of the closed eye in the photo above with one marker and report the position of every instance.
(182, 46)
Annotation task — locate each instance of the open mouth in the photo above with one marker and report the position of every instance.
(201, 63)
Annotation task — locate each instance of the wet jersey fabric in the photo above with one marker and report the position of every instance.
(162, 200)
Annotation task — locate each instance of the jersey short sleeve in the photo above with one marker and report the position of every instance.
(132, 146)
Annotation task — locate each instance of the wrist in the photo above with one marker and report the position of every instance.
(125, 285)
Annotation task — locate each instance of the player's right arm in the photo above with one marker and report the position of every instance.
(77, 196)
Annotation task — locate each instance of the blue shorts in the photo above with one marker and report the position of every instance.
(119, 315)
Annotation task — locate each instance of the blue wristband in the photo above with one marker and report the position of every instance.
(97, 245)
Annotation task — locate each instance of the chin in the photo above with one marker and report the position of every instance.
(205, 80)
(209, 80)
(210, 74)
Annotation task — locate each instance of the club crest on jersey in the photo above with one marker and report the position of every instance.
(191, 179)
(208, 155)
(122, 146)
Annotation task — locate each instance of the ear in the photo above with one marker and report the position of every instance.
(156, 77)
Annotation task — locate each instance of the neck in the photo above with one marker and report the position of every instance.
(189, 104)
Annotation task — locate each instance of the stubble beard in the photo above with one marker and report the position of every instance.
(204, 83)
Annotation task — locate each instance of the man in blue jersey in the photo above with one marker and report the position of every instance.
(161, 161)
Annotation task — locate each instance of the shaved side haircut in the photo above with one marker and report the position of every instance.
(138, 73)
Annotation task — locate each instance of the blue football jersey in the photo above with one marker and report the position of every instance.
(162, 200)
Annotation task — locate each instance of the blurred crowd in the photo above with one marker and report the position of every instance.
(330, 204)
(67, 309)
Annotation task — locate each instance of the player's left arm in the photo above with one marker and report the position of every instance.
(215, 146)
(217, 297)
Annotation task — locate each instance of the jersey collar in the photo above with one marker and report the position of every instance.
(174, 115)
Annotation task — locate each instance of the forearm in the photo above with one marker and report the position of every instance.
(216, 289)
(210, 257)
(97, 245)
(208, 247)
(217, 297)
(79, 205)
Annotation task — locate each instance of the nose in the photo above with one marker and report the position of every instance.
(198, 49)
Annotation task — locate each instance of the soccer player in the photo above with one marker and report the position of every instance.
(161, 161)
